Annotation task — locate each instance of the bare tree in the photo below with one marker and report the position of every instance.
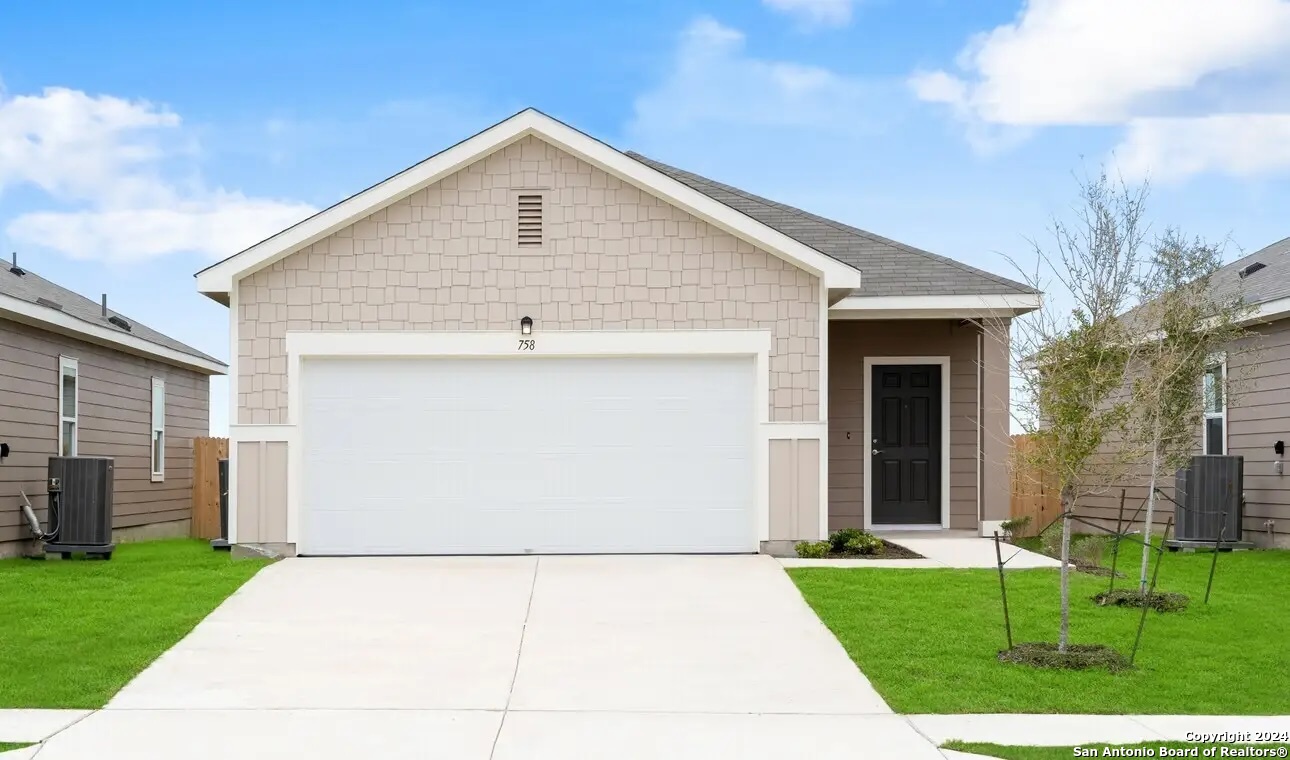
(1181, 327)
(1070, 359)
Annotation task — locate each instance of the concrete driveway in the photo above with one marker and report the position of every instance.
(506, 658)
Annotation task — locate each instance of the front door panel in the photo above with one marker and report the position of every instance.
(906, 446)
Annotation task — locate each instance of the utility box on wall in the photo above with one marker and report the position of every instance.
(80, 503)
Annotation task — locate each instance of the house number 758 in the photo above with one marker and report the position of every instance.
(527, 345)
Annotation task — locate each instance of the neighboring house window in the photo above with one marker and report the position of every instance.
(1215, 434)
(68, 384)
(158, 428)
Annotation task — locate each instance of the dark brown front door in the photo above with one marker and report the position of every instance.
(906, 445)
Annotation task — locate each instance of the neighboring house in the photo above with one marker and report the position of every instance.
(532, 342)
(77, 379)
(1250, 419)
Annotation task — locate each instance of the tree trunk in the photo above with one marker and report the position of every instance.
(1063, 634)
(1151, 509)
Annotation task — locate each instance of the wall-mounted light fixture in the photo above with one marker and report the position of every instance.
(526, 326)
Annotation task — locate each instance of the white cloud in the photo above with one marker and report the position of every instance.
(815, 12)
(1155, 66)
(112, 159)
(1169, 150)
(215, 226)
(1094, 61)
(713, 81)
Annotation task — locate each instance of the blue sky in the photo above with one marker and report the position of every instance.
(139, 141)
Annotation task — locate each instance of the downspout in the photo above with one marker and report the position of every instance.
(980, 424)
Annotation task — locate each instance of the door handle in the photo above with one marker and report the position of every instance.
(876, 452)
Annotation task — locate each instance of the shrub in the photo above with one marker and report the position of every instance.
(838, 539)
(865, 543)
(1050, 541)
(1015, 525)
(1088, 550)
(812, 549)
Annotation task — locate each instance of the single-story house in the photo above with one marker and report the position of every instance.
(533, 342)
(1246, 396)
(79, 379)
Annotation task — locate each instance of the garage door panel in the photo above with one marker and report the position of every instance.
(542, 455)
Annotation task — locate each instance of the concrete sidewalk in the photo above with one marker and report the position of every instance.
(523, 734)
(1073, 730)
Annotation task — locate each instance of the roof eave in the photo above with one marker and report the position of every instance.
(936, 307)
(55, 321)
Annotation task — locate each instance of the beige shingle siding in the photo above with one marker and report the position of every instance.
(613, 258)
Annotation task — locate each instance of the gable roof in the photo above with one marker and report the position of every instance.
(21, 299)
(219, 279)
(1267, 284)
(890, 268)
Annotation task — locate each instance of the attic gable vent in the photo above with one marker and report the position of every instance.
(119, 322)
(51, 304)
(529, 221)
(1251, 269)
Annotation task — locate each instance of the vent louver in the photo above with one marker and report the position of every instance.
(51, 304)
(529, 221)
(119, 322)
(1251, 269)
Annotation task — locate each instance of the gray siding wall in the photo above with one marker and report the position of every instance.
(1258, 416)
(849, 343)
(114, 420)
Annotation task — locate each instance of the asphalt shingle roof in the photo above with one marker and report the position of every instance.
(30, 287)
(1267, 284)
(889, 268)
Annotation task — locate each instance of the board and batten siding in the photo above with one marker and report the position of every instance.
(613, 257)
(850, 342)
(1258, 416)
(114, 420)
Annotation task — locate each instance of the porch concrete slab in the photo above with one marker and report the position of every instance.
(958, 552)
(1034, 730)
(680, 634)
(18, 726)
(221, 734)
(908, 564)
(1184, 728)
(677, 736)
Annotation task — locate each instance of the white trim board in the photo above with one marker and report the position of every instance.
(944, 362)
(505, 346)
(56, 321)
(934, 307)
(221, 278)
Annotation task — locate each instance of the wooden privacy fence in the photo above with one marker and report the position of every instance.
(206, 455)
(1034, 493)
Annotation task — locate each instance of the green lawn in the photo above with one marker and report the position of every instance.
(1065, 753)
(927, 639)
(74, 632)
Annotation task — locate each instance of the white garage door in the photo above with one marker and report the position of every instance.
(502, 456)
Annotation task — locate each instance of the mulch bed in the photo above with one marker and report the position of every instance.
(1043, 654)
(1160, 601)
(889, 551)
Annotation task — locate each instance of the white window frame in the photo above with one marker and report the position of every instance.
(66, 363)
(157, 455)
(1219, 361)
